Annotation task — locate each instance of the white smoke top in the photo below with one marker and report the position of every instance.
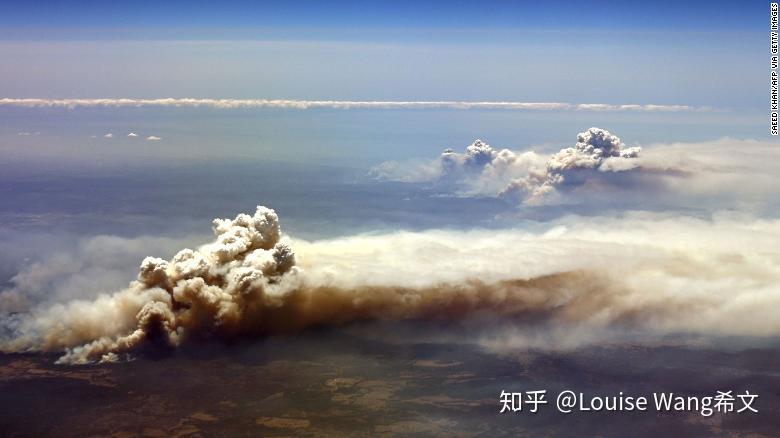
(660, 273)
(527, 176)
(596, 149)
(339, 104)
(593, 147)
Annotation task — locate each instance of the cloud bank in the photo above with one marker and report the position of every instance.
(341, 104)
(654, 272)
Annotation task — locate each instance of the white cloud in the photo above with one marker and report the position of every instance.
(153, 138)
(343, 104)
(109, 135)
(132, 135)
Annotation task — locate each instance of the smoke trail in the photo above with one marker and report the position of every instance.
(658, 273)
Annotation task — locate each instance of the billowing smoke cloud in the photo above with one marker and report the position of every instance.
(213, 289)
(339, 104)
(527, 176)
(479, 170)
(596, 150)
(654, 272)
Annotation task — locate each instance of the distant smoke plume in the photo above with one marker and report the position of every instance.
(596, 149)
(660, 273)
(527, 176)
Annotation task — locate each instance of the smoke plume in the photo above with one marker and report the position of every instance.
(596, 150)
(525, 176)
(644, 271)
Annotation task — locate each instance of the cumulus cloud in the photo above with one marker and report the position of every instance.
(654, 272)
(153, 138)
(341, 104)
(109, 135)
(132, 135)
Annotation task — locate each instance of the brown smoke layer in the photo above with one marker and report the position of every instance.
(663, 274)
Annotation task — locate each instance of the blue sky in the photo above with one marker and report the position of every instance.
(694, 53)
(699, 54)
(599, 15)
(704, 54)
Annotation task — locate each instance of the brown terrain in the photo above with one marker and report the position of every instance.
(332, 382)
